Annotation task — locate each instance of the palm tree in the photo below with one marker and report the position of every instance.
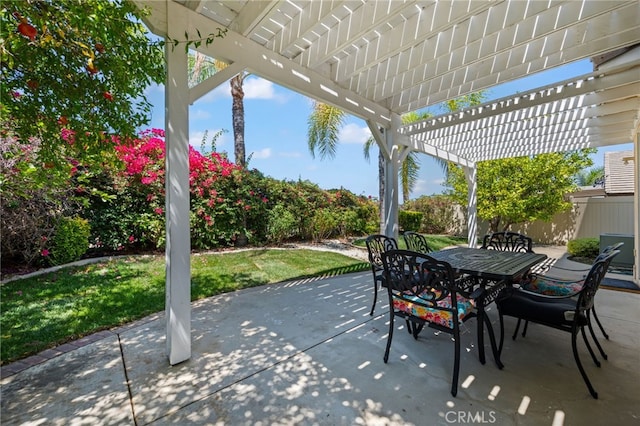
(202, 67)
(325, 122)
(590, 177)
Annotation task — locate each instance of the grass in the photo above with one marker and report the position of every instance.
(53, 308)
(436, 242)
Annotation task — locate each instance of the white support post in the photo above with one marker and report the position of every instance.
(178, 245)
(636, 208)
(472, 206)
(391, 203)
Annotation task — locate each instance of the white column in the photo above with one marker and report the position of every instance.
(391, 203)
(178, 247)
(472, 205)
(636, 209)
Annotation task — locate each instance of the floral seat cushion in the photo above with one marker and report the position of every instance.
(443, 318)
(552, 286)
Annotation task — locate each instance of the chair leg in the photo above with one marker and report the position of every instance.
(515, 332)
(604, 333)
(593, 334)
(390, 337)
(417, 328)
(574, 346)
(411, 327)
(501, 333)
(456, 363)
(375, 296)
(596, 361)
(524, 329)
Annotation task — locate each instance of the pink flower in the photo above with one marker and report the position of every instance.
(131, 238)
(158, 210)
(45, 252)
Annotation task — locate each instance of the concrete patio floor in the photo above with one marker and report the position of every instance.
(307, 352)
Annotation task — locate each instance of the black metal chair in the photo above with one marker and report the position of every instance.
(568, 313)
(567, 287)
(425, 291)
(376, 245)
(507, 241)
(416, 242)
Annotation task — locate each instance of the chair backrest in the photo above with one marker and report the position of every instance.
(608, 249)
(376, 245)
(507, 241)
(416, 242)
(420, 279)
(593, 279)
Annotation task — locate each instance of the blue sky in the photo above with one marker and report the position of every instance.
(276, 133)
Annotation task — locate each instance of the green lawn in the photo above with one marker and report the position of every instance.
(50, 309)
(436, 242)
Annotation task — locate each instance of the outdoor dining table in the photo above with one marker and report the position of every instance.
(494, 271)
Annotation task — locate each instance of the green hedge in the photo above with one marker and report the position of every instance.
(409, 220)
(70, 241)
(584, 247)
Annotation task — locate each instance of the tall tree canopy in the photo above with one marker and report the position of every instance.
(522, 189)
(74, 71)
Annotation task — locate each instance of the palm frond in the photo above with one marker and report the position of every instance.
(324, 128)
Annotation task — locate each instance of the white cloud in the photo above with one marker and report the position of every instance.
(153, 88)
(262, 154)
(259, 88)
(352, 133)
(290, 154)
(420, 187)
(253, 87)
(195, 139)
(220, 92)
(200, 114)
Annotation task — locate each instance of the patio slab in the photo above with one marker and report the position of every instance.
(307, 352)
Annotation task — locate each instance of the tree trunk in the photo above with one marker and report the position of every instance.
(494, 223)
(237, 111)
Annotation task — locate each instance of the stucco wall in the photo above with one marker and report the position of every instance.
(589, 217)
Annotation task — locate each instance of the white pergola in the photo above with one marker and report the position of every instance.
(380, 59)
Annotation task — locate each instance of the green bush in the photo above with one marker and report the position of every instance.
(281, 224)
(438, 211)
(584, 247)
(324, 224)
(409, 220)
(70, 240)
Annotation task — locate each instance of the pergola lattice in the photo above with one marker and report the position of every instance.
(380, 59)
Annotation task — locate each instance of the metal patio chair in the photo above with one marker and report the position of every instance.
(376, 245)
(567, 313)
(425, 291)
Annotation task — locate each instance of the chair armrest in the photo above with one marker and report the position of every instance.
(477, 293)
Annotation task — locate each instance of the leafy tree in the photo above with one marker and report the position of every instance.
(590, 177)
(76, 69)
(523, 189)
